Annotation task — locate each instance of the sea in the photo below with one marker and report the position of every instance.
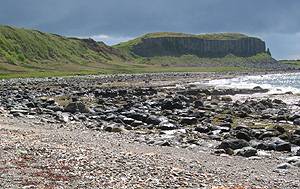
(276, 83)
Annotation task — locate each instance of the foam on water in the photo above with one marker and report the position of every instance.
(276, 83)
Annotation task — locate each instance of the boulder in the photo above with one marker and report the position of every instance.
(188, 121)
(246, 152)
(74, 107)
(243, 135)
(296, 121)
(233, 144)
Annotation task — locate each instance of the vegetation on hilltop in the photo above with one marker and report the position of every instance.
(214, 36)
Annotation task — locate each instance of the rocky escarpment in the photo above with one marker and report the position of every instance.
(211, 48)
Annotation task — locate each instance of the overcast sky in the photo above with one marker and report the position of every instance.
(112, 21)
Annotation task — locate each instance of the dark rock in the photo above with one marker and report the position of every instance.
(267, 134)
(296, 121)
(233, 144)
(284, 146)
(74, 107)
(284, 166)
(297, 132)
(295, 139)
(153, 120)
(165, 125)
(298, 153)
(226, 124)
(280, 129)
(202, 129)
(226, 99)
(243, 135)
(246, 152)
(198, 104)
(188, 121)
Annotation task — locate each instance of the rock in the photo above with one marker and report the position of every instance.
(153, 120)
(297, 132)
(284, 166)
(295, 139)
(293, 159)
(246, 152)
(202, 129)
(278, 101)
(220, 151)
(267, 134)
(15, 111)
(114, 128)
(63, 117)
(198, 104)
(74, 107)
(296, 164)
(166, 125)
(280, 129)
(243, 135)
(226, 124)
(298, 152)
(188, 121)
(233, 144)
(263, 154)
(171, 105)
(226, 99)
(136, 123)
(284, 146)
(296, 121)
(128, 121)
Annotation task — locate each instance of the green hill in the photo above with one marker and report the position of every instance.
(32, 50)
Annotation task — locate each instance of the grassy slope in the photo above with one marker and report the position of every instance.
(291, 62)
(23, 50)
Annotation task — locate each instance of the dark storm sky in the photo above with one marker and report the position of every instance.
(112, 21)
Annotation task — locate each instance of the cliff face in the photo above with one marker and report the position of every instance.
(177, 46)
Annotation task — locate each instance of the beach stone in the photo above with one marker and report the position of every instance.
(296, 164)
(74, 107)
(226, 99)
(202, 129)
(166, 125)
(297, 132)
(296, 121)
(298, 153)
(246, 152)
(153, 120)
(284, 146)
(243, 135)
(188, 120)
(284, 166)
(233, 144)
(198, 104)
(293, 159)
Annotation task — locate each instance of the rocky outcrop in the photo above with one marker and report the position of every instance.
(177, 46)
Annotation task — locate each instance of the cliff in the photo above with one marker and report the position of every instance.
(207, 46)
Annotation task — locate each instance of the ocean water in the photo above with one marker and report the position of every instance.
(276, 83)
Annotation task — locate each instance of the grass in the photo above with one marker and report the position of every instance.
(118, 70)
(291, 62)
